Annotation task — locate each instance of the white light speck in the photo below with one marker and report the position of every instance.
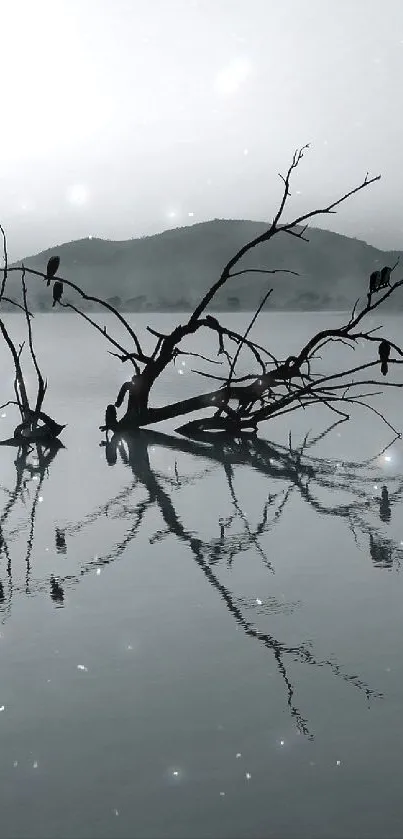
(172, 214)
(15, 763)
(35, 478)
(116, 812)
(129, 647)
(258, 601)
(35, 764)
(338, 762)
(190, 215)
(222, 793)
(40, 499)
(281, 742)
(1, 707)
(98, 572)
(298, 192)
(175, 773)
(248, 776)
(180, 372)
(90, 237)
(232, 76)
(246, 152)
(77, 195)
(82, 667)
(46, 549)
(388, 458)
(3, 415)
(238, 755)
(387, 669)
(375, 486)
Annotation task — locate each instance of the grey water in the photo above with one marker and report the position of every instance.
(200, 640)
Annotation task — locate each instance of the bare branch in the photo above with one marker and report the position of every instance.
(41, 383)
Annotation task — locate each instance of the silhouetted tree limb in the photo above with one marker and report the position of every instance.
(279, 385)
(28, 430)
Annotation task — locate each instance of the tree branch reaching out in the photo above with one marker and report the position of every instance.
(271, 387)
(28, 430)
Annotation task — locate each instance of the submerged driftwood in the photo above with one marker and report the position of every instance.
(274, 386)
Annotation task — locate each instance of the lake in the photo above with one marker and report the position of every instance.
(200, 640)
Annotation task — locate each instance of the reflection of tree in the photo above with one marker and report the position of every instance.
(32, 462)
(294, 470)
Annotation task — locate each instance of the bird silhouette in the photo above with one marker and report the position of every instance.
(57, 292)
(51, 268)
(385, 276)
(374, 281)
(111, 418)
(384, 353)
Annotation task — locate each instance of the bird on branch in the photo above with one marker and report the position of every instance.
(385, 277)
(374, 281)
(384, 353)
(379, 279)
(51, 268)
(111, 419)
(57, 292)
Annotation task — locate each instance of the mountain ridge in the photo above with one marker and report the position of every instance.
(172, 270)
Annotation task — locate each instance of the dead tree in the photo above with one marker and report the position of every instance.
(274, 386)
(35, 425)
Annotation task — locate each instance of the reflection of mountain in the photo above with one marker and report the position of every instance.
(174, 269)
(293, 472)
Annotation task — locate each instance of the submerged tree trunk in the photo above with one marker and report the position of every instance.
(274, 386)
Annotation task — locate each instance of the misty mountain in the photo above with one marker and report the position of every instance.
(173, 270)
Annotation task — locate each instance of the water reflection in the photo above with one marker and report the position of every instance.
(56, 591)
(60, 540)
(31, 465)
(384, 507)
(297, 472)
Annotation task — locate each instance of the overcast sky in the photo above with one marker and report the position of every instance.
(125, 117)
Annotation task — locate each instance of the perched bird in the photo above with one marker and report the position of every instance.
(384, 353)
(57, 292)
(385, 276)
(51, 268)
(111, 418)
(374, 281)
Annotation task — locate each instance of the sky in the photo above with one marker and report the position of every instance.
(123, 118)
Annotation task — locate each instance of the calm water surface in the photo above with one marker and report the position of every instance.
(199, 641)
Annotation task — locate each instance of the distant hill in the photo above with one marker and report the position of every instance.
(172, 270)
